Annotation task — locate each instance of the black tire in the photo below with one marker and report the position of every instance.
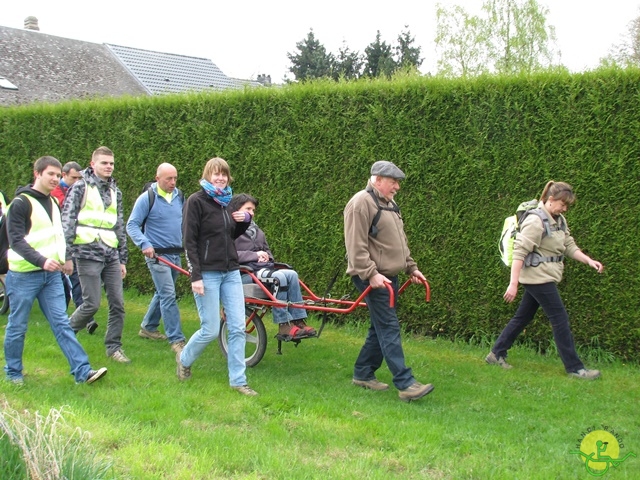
(4, 300)
(255, 332)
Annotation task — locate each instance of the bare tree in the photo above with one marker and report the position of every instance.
(627, 52)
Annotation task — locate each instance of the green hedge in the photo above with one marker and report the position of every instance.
(472, 151)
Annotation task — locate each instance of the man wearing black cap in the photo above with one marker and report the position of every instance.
(377, 252)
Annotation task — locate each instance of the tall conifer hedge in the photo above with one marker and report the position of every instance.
(472, 151)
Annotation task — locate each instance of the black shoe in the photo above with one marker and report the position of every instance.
(96, 375)
(92, 327)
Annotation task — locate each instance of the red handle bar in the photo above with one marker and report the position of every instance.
(427, 288)
(172, 265)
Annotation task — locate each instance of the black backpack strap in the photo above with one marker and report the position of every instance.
(152, 199)
(533, 259)
(373, 229)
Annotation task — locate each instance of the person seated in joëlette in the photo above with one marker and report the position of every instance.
(253, 251)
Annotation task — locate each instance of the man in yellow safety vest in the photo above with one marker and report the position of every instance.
(36, 257)
(93, 223)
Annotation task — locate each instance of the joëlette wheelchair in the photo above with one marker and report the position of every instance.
(260, 296)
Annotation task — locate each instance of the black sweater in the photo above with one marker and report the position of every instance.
(209, 232)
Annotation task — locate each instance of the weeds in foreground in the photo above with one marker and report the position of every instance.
(41, 447)
(12, 465)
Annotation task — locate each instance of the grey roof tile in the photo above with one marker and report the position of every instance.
(169, 73)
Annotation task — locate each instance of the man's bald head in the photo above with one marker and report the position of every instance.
(167, 177)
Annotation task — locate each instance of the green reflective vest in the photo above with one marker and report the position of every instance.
(94, 221)
(45, 236)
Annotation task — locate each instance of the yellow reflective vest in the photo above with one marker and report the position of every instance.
(45, 236)
(3, 204)
(94, 221)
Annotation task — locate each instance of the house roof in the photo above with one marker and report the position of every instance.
(169, 73)
(51, 69)
(35, 67)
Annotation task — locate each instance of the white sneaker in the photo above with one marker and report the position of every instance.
(95, 375)
(119, 356)
(585, 374)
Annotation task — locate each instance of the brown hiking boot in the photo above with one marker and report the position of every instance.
(415, 391)
(246, 390)
(151, 335)
(373, 384)
(178, 346)
(184, 373)
(491, 359)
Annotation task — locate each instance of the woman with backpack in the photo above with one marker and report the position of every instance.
(539, 250)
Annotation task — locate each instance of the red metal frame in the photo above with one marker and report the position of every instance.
(349, 305)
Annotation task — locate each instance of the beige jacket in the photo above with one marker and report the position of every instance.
(529, 238)
(388, 253)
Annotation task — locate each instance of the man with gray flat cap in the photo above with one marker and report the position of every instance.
(377, 252)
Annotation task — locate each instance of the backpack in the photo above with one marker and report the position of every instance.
(373, 229)
(152, 198)
(511, 227)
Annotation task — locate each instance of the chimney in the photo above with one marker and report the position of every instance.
(31, 23)
(264, 80)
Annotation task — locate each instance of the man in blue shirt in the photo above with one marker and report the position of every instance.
(155, 226)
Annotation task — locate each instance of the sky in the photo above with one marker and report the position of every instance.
(246, 38)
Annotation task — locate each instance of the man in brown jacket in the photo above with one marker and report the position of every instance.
(377, 252)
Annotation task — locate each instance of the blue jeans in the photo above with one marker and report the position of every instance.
(225, 287)
(22, 290)
(93, 274)
(289, 292)
(383, 339)
(548, 297)
(164, 304)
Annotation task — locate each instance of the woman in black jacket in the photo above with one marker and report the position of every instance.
(209, 231)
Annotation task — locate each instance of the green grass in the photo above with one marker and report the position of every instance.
(309, 422)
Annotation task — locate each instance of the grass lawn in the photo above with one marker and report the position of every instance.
(481, 422)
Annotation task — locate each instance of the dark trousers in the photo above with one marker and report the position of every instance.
(76, 288)
(73, 289)
(548, 297)
(383, 339)
(92, 275)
